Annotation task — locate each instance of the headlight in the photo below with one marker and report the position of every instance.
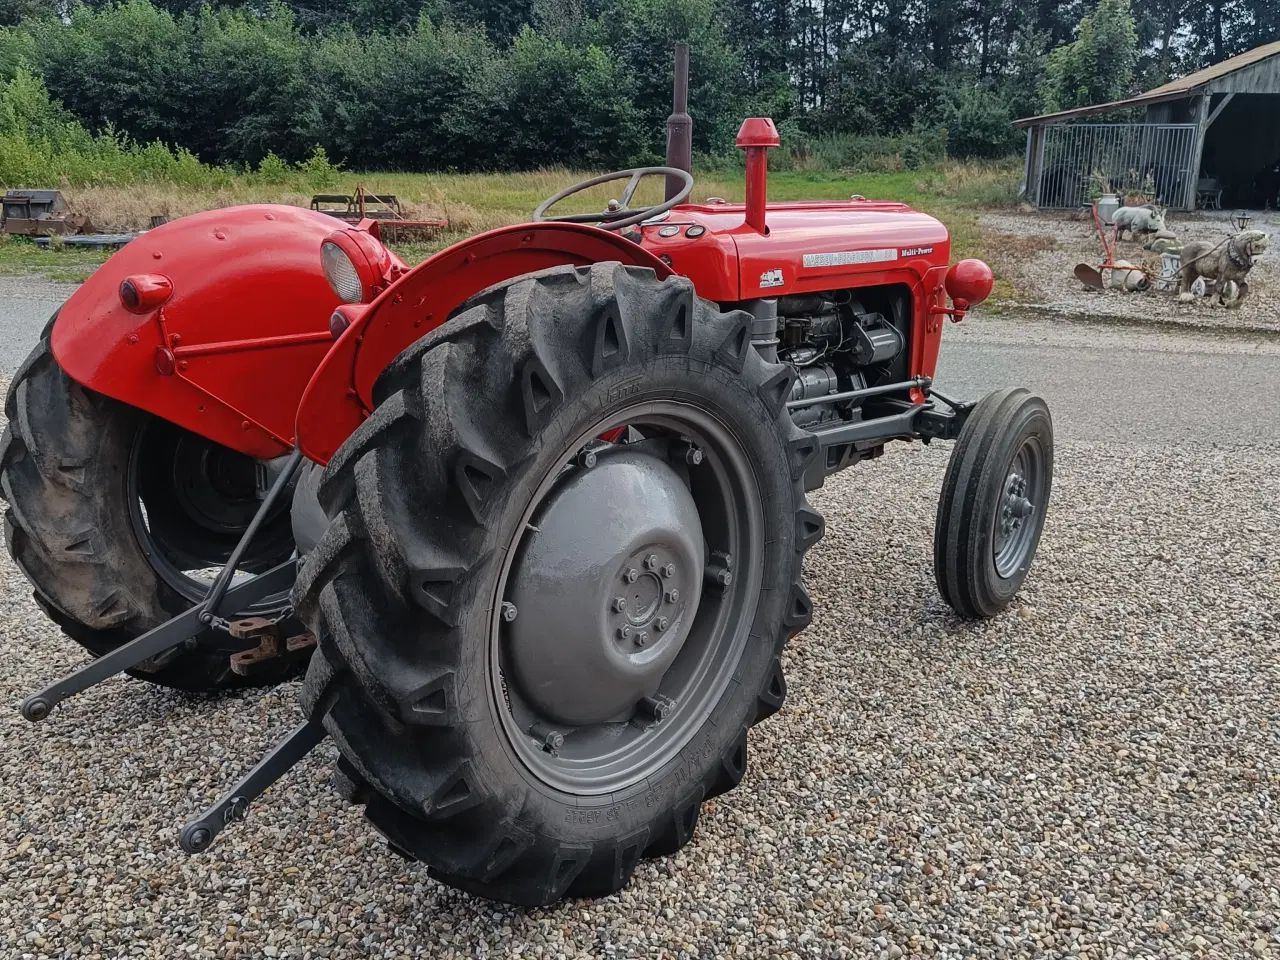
(356, 265)
(341, 273)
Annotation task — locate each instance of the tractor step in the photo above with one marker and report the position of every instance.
(198, 835)
(222, 601)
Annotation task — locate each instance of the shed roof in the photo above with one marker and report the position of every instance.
(1173, 90)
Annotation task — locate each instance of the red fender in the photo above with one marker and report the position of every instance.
(340, 394)
(230, 351)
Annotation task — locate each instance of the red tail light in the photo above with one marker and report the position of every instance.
(345, 316)
(145, 292)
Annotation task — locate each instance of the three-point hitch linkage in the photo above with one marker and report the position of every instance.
(222, 602)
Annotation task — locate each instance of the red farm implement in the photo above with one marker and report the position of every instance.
(386, 209)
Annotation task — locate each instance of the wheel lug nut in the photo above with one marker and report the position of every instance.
(669, 570)
(508, 611)
(642, 639)
(721, 578)
(662, 624)
(552, 740)
(672, 595)
(624, 632)
(693, 456)
(718, 576)
(619, 604)
(651, 561)
(651, 707)
(587, 459)
(631, 574)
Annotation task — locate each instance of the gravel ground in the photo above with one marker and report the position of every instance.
(1092, 774)
(26, 304)
(1038, 251)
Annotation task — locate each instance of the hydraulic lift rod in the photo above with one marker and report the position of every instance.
(199, 834)
(169, 634)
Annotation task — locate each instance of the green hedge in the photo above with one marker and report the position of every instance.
(250, 89)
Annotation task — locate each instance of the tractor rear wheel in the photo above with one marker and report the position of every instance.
(563, 562)
(118, 518)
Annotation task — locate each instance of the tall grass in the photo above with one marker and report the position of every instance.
(953, 191)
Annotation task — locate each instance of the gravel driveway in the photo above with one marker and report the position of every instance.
(1093, 774)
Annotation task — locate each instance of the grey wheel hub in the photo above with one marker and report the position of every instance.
(1016, 506)
(605, 589)
(1016, 520)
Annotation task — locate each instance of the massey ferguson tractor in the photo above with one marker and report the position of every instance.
(535, 509)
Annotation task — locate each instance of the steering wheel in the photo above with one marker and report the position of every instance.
(618, 215)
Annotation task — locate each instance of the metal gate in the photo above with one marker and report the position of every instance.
(1078, 161)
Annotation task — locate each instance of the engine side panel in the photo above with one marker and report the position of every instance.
(811, 247)
(244, 330)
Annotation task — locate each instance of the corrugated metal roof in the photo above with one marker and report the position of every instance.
(1201, 77)
(1173, 90)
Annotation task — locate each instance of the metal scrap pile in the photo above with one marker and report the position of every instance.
(40, 213)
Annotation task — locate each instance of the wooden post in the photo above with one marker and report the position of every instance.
(1027, 169)
(1197, 154)
(1034, 163)
(1217, 110)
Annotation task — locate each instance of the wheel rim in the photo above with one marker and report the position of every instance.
(587, 704)
(1021, 501)
(190, 501)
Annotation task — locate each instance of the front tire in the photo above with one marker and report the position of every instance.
(88, 479)
(523, 769)
(994, 498)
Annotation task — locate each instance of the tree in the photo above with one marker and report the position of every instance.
(643, 33)
(979, 123)
(467, 84)
(1097, 67)
(13, 12)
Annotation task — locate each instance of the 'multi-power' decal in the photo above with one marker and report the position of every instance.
(848, 257)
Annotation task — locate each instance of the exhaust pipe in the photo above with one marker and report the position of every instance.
(680, 124)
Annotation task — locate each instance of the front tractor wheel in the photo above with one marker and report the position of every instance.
(994, 497)
(119, 519)
(563, 562)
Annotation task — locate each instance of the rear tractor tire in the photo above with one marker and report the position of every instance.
(994, 498)
(542, 638)
(108, 506)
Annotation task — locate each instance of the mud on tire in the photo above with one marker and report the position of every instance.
(427, 499)
(64, 463)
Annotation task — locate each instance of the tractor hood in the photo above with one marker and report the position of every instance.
(808, 246)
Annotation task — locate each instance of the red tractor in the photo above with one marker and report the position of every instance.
(538, 504)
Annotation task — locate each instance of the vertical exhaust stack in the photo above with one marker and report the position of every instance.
(680, 124)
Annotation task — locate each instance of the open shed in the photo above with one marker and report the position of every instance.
(1211, 138)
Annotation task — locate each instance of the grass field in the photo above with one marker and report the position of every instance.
(954, 192)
